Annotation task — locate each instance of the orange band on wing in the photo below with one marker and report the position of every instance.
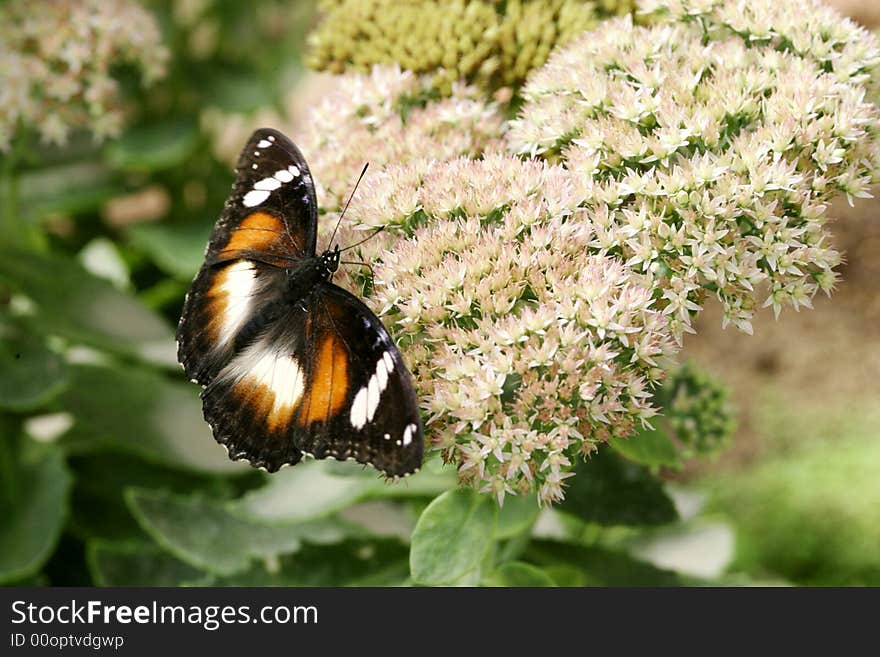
(255, 395)
(257, 232)
(261, 400)
(328, 388)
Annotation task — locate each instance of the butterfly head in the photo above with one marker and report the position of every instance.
(330, 260)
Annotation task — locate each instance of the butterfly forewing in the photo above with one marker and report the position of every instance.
(290, 363)
(247, 250)
(272, 213)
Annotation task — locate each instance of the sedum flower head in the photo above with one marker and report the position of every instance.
(56, 59)
(538, 274)
(527, 346)
(486, 41)
(709, 144)
(391, 115)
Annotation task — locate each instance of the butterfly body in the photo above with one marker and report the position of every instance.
(291, 364)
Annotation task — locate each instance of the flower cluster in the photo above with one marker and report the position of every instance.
(539, 273)
(389, 116)
(55, 64)
(712, 142)
(486, 41)
(527, 347)
(697, 409)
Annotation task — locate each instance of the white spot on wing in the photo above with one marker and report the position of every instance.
(359, 409)
(381, 375)
(283, 176)
(254, 197)
(264, 143)
(267, 184)
(366, 402)
(267, 366)
(373, 394)
(294, 170)
(408, 433)
(238, 286)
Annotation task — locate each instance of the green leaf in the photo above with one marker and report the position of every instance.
(98, 510)
(114, 564)
(237, 91)
(32, 523)
(73, 304)
(598, 566)
(156, 147)
(518, 573)
(610, 490)
(211, 536)
(66, 189)
(651, 447)
(32, 373)
(516, 516)
(353, 562)
(318, 488)
(452, 537)
(566, 575)
(138, 412)
(177, 249)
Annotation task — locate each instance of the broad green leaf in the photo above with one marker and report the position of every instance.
(566, 575)
(237, 91)
(651, 447)
(32, 373)
(317, 488)
(154, 147)
(610, 490)
(516, 516)
(452, 537)
(98, 510)
(210, 536)
(598, 566)
(518, 573)
(139, 412)
(700, 548)
(32, 523)
(177, 249)
(73, 304)
(119, 564)
(66, 189)
(353, 562)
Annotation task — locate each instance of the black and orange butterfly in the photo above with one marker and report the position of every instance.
(290, 363)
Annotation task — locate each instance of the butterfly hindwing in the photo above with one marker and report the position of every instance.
(362, 404)
(251, 402)
(325, 379)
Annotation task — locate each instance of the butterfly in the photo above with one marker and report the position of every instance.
(291, 364)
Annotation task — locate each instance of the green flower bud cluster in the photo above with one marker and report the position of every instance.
(697, 408)
(487, 42)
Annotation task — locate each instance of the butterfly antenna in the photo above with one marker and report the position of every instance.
(368, 237)
(351, 196)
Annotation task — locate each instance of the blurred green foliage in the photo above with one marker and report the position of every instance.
(108, 474)
(809, 512)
